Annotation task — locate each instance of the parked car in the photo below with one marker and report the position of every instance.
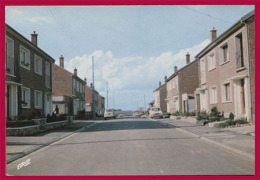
(109, 113)
(155, 112)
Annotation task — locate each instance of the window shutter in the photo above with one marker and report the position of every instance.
(221, 55)
(223, 93)
(40, 100)
(35, 101)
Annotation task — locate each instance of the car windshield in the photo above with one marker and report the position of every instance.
(109, 110)
(156, 109)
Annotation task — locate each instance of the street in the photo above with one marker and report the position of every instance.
(131, 146)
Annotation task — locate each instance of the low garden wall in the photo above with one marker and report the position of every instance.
(40, 126)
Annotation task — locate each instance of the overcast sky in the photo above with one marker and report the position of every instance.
(134, 47)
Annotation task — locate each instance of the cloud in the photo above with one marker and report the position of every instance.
(40, 19)
(22, 15)
(130, 74)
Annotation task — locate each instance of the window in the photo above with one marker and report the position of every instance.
(37, 65)
(9, 55)
(38, 99)
(202, 71)
(26, 100)
(223, 54)
(77, 85)
(211, 62)
(47, 75)
(74, 86)
(213, 95)
(239, 51)
(226, 92)
(24, 57)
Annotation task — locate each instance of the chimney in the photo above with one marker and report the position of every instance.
(187, 58)
(175, 69)
(75, 71)
(91, 85)
(61, 61)
(160, 84)
(85, 79)
(213, 33)
(34, 38)
(165, 79)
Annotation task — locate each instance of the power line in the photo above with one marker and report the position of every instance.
(208, 15)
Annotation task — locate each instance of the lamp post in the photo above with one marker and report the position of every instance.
(93, 91)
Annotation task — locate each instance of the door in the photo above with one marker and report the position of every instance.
(198, 102)
(47, 104)
(243, 96)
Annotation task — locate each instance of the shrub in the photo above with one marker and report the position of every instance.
(232, 123)
(55, 118)
(231, 116)
(202, 116)
(242, 121)
(215, 115)
(176, 113)
(222, 125)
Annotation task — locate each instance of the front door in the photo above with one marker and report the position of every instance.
(47, 104)
(198, 102)
(11, 108)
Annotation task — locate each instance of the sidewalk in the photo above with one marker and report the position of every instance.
(18, 146)
(237, 140)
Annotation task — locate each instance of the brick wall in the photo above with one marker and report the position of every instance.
(188, 80)
(27, 77)
(61, 81)
(251, 39)
(163, 96)
(88, 97)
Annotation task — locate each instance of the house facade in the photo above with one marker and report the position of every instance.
(226, 68)
(181, 86)
(68, 89)
(101, 105)
(160, 96)
(28, 75)
(88, 99)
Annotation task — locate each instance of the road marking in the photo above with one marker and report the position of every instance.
(40, 148)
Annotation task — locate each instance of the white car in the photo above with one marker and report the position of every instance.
(109, 113)
(155, 112)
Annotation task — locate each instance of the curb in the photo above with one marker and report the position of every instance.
(47, 144)
(222, 146)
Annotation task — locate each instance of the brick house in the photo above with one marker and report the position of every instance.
(88, 98)
(101, 105)
(89, 101)
(28, 87)
(181, 86)
(68, 89)
(226, 68)
(160, 96)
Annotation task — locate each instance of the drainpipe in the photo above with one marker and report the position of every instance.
(249, 77)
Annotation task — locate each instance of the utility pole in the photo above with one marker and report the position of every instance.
(93, 90)
(113, 100)
(144, 104)
(107, 94)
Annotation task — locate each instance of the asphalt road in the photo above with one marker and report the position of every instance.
(136, 146)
